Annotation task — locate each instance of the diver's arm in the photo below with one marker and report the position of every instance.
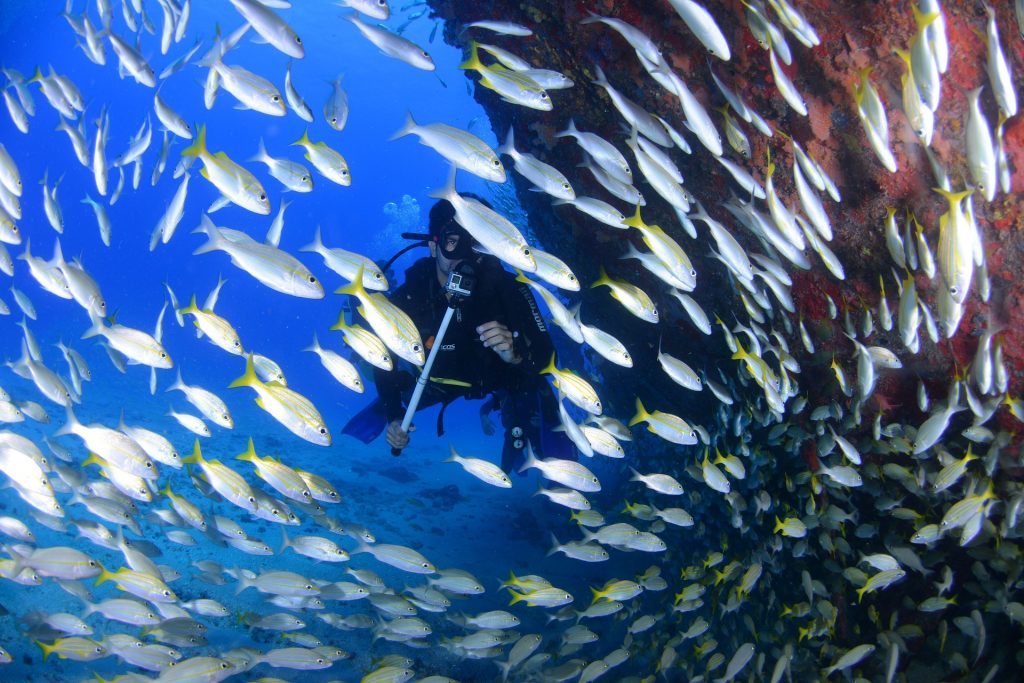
(532, 343)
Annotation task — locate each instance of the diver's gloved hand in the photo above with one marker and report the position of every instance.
(498, 337)
(396, 437)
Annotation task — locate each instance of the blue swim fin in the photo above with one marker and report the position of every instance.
(367, 424)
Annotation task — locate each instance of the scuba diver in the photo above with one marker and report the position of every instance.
(495, 345)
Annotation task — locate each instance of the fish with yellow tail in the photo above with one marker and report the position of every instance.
(234, 182)
(389, 322)
(635, 300)
(670, 427)
(575, 388)
(293, 410)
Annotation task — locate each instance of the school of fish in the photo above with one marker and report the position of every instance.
(797, 538)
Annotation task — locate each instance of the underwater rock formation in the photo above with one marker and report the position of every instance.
(854, 36)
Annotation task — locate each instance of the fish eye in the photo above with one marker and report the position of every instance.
(334, 119)
(298, 40)
(166, 594)
(305, 178)
(92, 563)
(526, 251)
(236, 343)
(495, 163)
(252, 499)
(416, 347)
(566, 186)
(333, 494)
(263, 197)
(344, 172)
(224, 665)
(306, 494)
(99, 650)
(312, 279)
(543, 95)
(276, 98)
(163, 355)
(309, 587)
(377, 276)
(424, 53)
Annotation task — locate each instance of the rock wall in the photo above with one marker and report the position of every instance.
(854, 36)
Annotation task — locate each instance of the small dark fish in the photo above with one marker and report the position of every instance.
(433, 32)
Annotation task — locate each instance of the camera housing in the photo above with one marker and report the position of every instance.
(461, 281)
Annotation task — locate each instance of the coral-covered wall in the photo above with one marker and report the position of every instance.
(854, 36)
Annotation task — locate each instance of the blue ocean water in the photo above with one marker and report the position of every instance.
(416, 500)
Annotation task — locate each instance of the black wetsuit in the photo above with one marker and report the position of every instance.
(527, 403)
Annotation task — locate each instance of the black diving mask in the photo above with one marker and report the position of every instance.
(455, 243)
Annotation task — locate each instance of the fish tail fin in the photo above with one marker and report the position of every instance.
(196, 457)
(27, 254)
(550, 368)
(741, 353)
(473, 62)
(104, 576)
(778, 525)
(522, 278)
(509, 147)
(285, 541)
(453, 457)
(69, 426)
(304, 140)
(249, 379)
(635, 221)
(341, 325)
(177, 385)
(192, 307)
(355, 288)
(516, 597)
(636, 476)
(531, 459)
(600, 80)
(407, 128)
(250, 453)
(597, 595)
(315, 346)
(448, 191)
(93, 459)
(197, 148)
(47, 649)
(641, 413)
(555, 545)
(57, 260)
(214, 241)
(317, 245)
(243, 583)
(261, 152)
(569, 130)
